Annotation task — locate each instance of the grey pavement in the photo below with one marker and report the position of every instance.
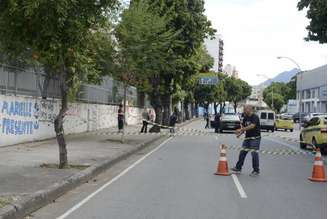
(177, 182)
(21, 173)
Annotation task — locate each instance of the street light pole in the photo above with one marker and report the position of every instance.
(300, 85)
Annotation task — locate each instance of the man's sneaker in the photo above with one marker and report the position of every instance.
(254, 173)
(236, 170)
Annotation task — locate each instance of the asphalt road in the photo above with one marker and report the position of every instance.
(175, 181)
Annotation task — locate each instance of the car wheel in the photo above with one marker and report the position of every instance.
(302, 144)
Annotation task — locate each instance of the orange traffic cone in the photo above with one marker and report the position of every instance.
(222, 168)
(318, 172)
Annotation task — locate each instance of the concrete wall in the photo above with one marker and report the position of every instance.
(24, 119)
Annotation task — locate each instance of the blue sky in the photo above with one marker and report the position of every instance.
(255, 32)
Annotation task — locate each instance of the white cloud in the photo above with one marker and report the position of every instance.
(255, 32)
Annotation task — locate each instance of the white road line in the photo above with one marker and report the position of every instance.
(85, 200)
(239, 187)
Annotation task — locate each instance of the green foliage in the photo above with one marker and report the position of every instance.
(187, 17)
(281, 91)
(204, 60)
(144, 45)
(278, 101)
(58, 34)
(278, 88)
(237, 89)
(317, 13)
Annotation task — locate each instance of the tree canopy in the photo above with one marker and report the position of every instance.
(282, 92)
(317, 13)
(61, 36)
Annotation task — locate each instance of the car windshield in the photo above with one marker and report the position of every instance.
(230, 117)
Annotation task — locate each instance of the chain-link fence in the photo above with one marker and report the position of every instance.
(34, 82)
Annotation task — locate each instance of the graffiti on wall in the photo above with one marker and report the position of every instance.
(44, 111)
(17, 118)
(24, 117)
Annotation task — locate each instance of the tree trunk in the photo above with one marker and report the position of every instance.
(157, 105)
(59, 121)
(192, 109)
(196, 109)
(215, 108)
(235, 105)
(186, 110)
(166, 107)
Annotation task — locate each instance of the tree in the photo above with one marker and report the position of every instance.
(317, 13)
(280, 88)
(220, 93)
(278, 101)
(145, 49)
(188, 20)
(58, 34)
(237, 90)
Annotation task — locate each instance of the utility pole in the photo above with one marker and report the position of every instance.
(300, 86)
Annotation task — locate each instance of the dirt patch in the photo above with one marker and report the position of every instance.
(70, 166)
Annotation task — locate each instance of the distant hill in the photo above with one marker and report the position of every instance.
(282, 77)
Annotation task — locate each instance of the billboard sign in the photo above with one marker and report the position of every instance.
(208, 80)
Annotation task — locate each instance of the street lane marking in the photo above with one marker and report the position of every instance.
(239, 187)
(85, 200)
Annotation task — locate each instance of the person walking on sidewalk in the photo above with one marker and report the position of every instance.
(145, 119)
(207, 118)
(120, 118)
(173, 120)
(250, 125)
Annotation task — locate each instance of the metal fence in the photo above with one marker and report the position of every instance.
(33, 82)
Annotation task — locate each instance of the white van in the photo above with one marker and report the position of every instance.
(267, 119)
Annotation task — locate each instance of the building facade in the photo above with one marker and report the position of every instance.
(215, 49)
(312, 88)
(231, 71)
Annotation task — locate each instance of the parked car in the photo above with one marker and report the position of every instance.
(315, 133)
(309, 116)
(267, 119)
(284, 122)
(229, 122)
(299, 116)
(287, 115)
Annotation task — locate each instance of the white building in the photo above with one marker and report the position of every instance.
(231, 71)
(292, 106)
(312, 87)
(215, 49)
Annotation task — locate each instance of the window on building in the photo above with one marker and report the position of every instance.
(308, 94)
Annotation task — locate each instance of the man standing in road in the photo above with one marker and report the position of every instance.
(250, 125)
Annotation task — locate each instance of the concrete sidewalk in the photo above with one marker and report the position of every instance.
(25, 179)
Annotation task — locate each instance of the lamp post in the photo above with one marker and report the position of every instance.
(263, 75)
(300, 84)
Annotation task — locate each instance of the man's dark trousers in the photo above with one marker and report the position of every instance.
(250, 144)
(144, 126)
